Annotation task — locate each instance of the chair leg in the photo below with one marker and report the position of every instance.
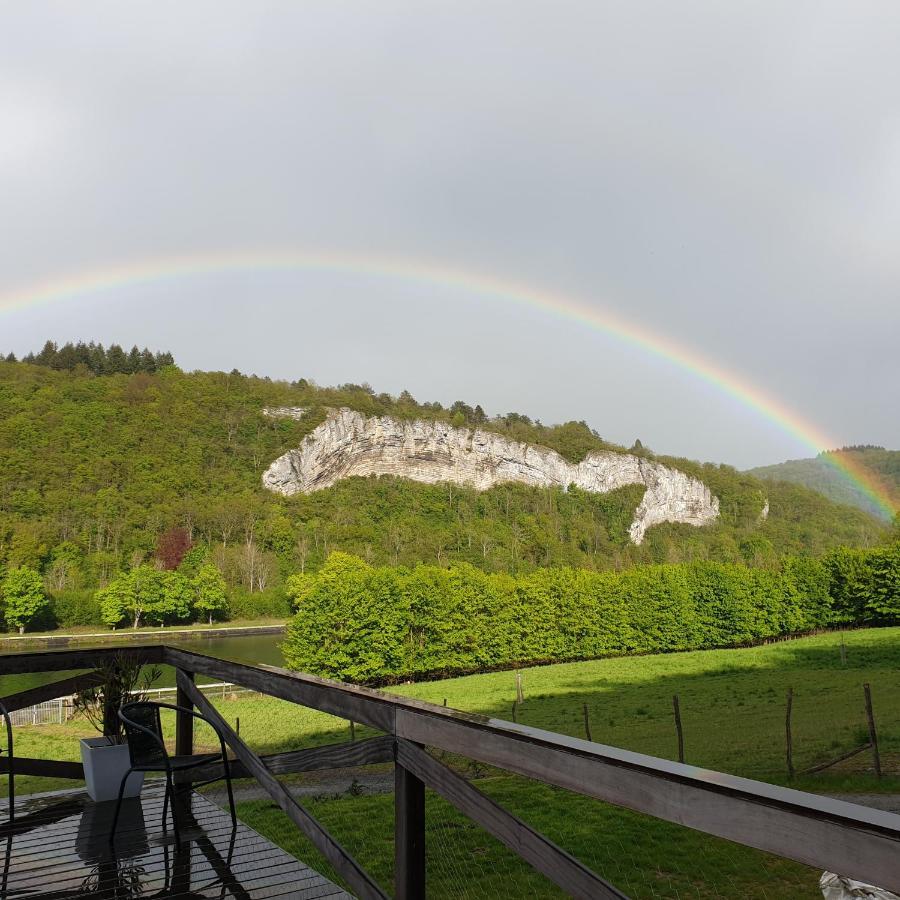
(170, 790)
(165, 807)
(115, 821)
(230, 792)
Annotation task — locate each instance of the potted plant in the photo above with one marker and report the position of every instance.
(123, 679)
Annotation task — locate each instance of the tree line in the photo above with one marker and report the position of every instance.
(381, 624)
(96, 358)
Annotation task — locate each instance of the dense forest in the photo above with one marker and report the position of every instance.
(821, 475)
(99, 471)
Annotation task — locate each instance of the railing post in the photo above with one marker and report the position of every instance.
(184, 724)
(409, 835)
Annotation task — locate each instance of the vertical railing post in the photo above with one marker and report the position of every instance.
(409, 835)
(184, 724)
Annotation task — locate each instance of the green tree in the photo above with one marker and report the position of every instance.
(175, 602)
(142, 592)
(24, 597)
(210, 596)
(884, 600)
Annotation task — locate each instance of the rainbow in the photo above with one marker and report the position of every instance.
(502, 290)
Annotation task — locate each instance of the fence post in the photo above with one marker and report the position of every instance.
(677, 707)
(520, 694)
(184, 724)
(788, 737)
(409, 835)
(587, 723)
(873, 734)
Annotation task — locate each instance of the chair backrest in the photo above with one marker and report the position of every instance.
(8, 750)
(144, 732)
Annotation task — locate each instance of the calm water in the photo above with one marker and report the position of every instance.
(254, 648)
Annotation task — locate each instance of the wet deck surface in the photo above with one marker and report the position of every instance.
(59, 848)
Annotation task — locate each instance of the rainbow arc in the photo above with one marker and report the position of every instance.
(500, 290)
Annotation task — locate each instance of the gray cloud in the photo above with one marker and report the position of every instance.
(727, 176)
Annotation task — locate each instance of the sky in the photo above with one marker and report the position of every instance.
(725, 177)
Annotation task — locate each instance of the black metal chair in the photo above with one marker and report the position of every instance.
(148, 753)
(8, 750)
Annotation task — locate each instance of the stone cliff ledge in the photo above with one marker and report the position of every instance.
(348, 443)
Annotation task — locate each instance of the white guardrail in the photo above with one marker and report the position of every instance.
(56, 712)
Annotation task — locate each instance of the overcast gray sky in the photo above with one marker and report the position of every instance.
(725, 175)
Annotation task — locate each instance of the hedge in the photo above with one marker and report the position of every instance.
(381, 624)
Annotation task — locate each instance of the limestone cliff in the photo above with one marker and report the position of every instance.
(347, 443)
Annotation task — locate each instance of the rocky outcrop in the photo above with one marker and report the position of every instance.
(285, 412)
(347, 443)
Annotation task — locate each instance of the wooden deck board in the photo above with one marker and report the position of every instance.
(58, 848)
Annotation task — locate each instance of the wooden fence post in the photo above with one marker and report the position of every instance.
(352, 732)
(587, 723)
(873, 734)
(184, 724)
(677, 707)
(520, 694)
(409, 835)
(788, 736)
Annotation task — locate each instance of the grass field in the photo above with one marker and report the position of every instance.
(641, 856)
(733, 706)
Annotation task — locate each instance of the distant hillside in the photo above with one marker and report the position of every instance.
(823, 477)
(95, 468)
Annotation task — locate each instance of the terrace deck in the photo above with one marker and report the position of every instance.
(58, 848)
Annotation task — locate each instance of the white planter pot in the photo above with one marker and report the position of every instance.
(105, 766)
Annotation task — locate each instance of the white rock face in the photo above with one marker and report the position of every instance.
(285, 412)
(347, 443)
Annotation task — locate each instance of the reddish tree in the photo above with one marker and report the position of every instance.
(171, 547)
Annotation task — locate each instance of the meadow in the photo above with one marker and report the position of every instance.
(733, 711)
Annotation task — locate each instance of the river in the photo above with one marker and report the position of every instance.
(252, 648)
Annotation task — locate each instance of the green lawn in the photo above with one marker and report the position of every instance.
(733, 706)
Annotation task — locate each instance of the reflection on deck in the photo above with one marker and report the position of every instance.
(58, 847)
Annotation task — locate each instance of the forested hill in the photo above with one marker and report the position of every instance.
(94, 469)
(823, 477)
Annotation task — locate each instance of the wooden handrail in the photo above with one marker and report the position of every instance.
(62, 688)
(853, 840)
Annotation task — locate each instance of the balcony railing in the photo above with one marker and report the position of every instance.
(829, 834)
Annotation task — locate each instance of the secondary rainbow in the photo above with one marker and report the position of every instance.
(570, 307)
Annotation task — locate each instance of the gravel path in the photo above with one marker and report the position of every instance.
(337, 782)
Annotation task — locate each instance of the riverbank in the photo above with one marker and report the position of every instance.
(53, 640)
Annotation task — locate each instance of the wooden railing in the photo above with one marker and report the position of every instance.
(852, 840)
